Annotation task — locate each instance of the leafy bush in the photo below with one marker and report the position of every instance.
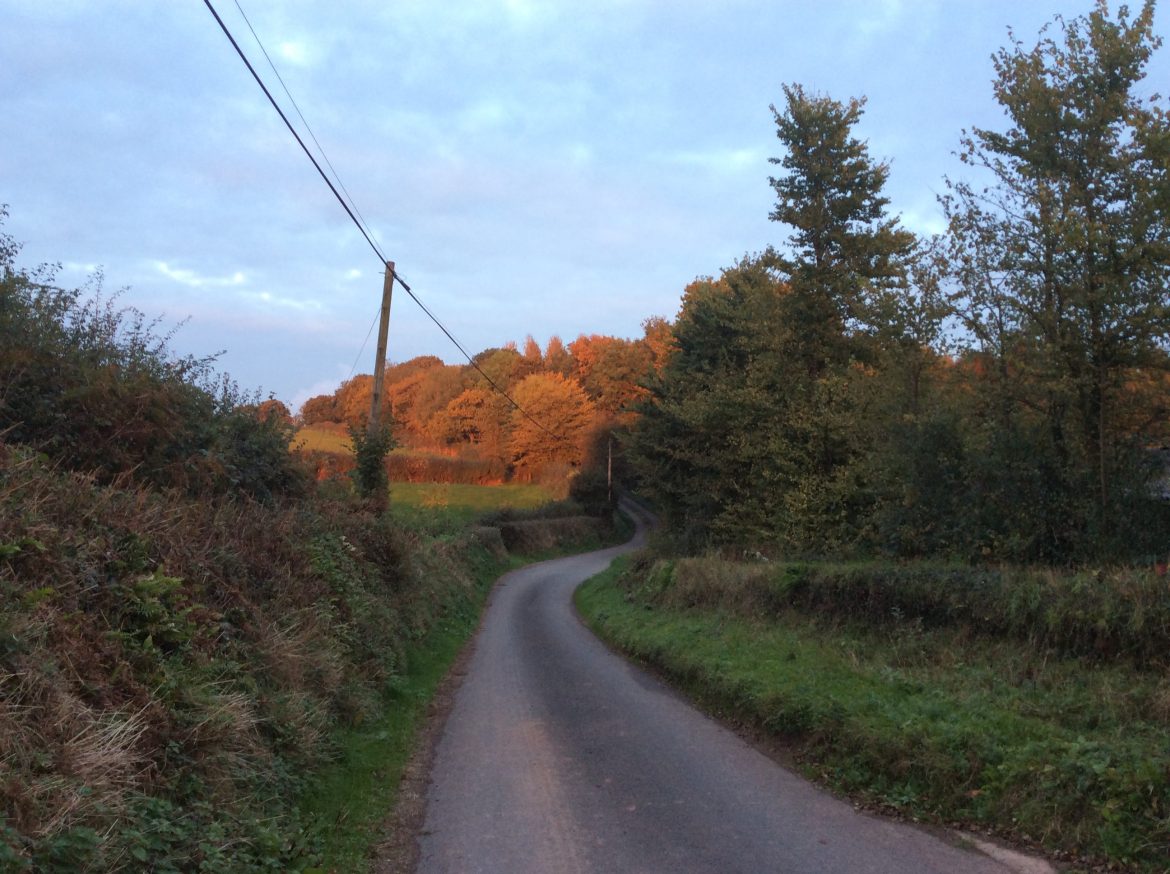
(370, 449)
(96, 388)
(590, 489)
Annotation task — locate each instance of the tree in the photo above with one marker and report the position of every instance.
(561, 414)
(319, 408)
(354, 397)
(478, 417)
(701, 442)
(611, 370)
(437, 388)
(557, 358)
(755, 424)
(531, 361)
(847, 264)
(847, 257)
(1063, 261)
(500, 365)
(276, 411)
(658, 336)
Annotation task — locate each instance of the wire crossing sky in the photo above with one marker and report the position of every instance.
(540, 167)
(350, 209)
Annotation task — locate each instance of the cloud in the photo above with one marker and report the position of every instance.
(882, 16)
(75, 267)
(720, 160)
(191, 278)
(924, 221)
(267, 298)
(294, 52)
(352, 274)
(320, 387)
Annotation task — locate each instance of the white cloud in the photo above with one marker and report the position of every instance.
(882, 16)
(294, 53)
(267, 298)
(923, 222)
(320, 387)
(486, 115)
(352, 274)
(191, 278)
(720, 160)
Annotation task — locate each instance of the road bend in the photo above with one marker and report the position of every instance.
(559, 756)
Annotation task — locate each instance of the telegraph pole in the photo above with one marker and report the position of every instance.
(380, 361)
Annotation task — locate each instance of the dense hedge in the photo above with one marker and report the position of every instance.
(1110, 614)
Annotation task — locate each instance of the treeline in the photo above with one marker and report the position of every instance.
(569, 396)
(999, 392)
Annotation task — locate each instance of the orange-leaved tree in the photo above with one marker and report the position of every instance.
(563, 415)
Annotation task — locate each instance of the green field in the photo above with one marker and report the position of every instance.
(330, 437)
(438, 508)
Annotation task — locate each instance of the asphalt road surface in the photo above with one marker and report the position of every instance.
(559, 756)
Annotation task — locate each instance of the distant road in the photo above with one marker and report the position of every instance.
(560, 757)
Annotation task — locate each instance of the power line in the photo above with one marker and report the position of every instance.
(304, 120)
(473, 363)
(373, 322)
(291, 129)
(350, 212)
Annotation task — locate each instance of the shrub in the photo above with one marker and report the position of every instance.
(96, 388)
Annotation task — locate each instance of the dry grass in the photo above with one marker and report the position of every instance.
(155, 646)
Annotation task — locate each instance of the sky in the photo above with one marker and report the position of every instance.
(532, 166)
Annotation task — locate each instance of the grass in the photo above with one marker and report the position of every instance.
(442, 508)
(323, 438)
(352, 799)
(1072, 754)
(334, 437)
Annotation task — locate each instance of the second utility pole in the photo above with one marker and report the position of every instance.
(380, 361)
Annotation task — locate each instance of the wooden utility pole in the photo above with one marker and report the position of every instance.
(380, 361)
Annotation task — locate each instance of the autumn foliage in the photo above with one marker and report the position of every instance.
(529, 415)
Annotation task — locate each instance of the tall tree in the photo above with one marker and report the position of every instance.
(557, 358)
(701, 442)
(1064, 260)
(848, 264)
(846, 256)
(754, 421)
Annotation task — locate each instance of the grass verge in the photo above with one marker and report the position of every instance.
(351, 799)
(1071, 754)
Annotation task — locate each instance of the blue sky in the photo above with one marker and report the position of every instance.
(532, 167)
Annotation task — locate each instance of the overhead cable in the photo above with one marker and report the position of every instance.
(350, 212)
(304, 120)
(292, 130)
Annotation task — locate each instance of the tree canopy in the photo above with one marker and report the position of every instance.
(998, 392)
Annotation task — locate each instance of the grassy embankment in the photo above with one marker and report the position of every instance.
(1036, 705)
(351, 799)
(216, 686)
(325, 448)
